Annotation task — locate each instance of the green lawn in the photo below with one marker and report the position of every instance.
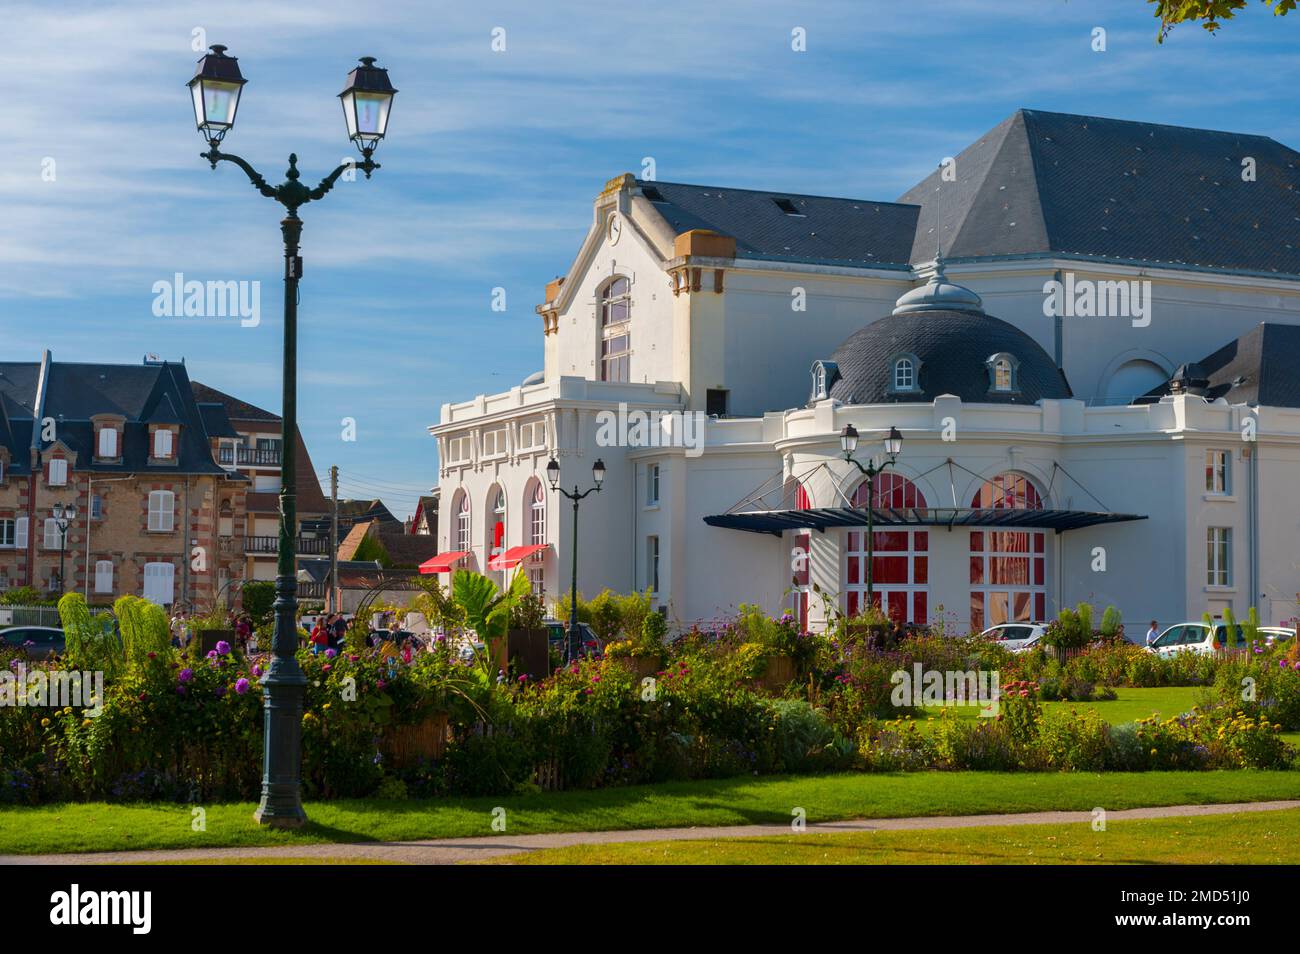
(103, 827)
(1239, 839)
(1128, 706)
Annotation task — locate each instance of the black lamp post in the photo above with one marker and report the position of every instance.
(64, 515)
(367, 102)
(893, 445)
(574, 648)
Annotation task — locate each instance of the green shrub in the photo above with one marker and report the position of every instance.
(803, 736)
(1076, 742)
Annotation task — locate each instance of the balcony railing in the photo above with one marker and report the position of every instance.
(310, 545)
(229, 456)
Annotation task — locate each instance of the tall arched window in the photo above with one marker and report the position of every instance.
(900, 564)
(795, 496)
(1008, 568)
(615, 327)
(463, 519)
(495, 541)
(535, 512)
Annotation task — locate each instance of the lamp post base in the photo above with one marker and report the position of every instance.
(284, 686)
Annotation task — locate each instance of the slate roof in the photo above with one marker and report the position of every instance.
(311, 499)
(830, 231)
(952, 347)
(215, 421)
(236, 409)
(1258, 369)
(1044, 183)
(75, 392)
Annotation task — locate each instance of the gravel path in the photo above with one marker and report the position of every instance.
(455, 850)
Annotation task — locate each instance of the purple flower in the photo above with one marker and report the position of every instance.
(185, 675)
(219, 691)
(223, 648)
(212, 654)
(330, 654)
(257, 672)
(241, 686)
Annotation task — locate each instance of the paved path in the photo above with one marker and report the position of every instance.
(454, 850)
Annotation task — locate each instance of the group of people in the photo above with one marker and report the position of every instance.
(328, 632)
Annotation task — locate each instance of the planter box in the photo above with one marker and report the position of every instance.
(406, 745)
(527, 649)
(779, 673)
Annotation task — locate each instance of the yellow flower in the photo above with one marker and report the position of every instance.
(326, 706)
(45, 722)
(85, 723)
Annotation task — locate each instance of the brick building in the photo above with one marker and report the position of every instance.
(137, 450)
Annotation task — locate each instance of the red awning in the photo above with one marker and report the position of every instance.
(443, 562)
(515, 556)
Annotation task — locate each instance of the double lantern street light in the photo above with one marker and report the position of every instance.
(64, 515)
(893, 446)
(573, 648)
(367, 102)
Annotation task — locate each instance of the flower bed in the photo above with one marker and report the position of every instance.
(428, 723)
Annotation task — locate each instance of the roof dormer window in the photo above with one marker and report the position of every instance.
(163, 444)
(107, 444)
(824, 374)
(1003, 373)
(904, 374)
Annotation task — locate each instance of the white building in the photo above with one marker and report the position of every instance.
(1127, 436)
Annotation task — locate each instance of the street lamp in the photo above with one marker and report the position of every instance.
(64, 515)
(367, 102)
(573, 650)
(893, 446)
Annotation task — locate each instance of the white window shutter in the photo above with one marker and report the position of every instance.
(104, 576)
(158, 583)
(51, 533)
(20, 533)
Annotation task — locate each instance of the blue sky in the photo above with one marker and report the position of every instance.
(494, 159)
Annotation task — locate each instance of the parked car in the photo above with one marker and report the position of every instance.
(1016, 637)
(45, 641)
(1276, 634)
(1197, 637)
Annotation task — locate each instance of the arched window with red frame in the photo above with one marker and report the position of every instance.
(900, 562)
(796, 494)
(1008, 568)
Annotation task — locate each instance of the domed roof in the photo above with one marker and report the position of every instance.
(952, 346)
